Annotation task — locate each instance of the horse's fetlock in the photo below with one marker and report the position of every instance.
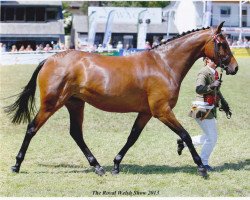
(20, 157)
(118, 159)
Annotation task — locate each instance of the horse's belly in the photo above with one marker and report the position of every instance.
(112, 103)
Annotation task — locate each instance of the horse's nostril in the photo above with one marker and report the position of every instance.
(236, 69)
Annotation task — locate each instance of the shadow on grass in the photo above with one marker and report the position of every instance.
(124, 169)
(147, 169)
(66, 168)
(234, 166)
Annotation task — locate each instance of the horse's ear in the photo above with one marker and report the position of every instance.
(218, 30)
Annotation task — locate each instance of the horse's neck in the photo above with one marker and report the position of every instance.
(179, 55)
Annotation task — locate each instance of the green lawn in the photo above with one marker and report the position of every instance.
(55, 166)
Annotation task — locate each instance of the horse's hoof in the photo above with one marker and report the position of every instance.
(115, 172)
(202, 171)
(100, 171)
(15, 169)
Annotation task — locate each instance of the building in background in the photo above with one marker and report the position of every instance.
(31, 23)
(124, 28)
(236, 15)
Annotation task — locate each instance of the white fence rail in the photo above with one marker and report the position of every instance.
(33, 57)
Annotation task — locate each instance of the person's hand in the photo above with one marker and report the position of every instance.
(215, 84)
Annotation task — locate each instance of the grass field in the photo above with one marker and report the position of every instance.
(55, 166)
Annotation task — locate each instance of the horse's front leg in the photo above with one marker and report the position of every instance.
(165, 114)
(140, 122)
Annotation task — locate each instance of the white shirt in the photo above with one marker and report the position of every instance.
(212, 70)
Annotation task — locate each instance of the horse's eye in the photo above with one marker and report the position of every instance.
(224, 45)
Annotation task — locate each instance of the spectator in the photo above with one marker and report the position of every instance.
(147, 45)
(47, 48)
(22, 48)
(127, 47)
(155, 43)
(109, 47)
(246, 43)
(62, 46)
(56, 46)
(13, 48)
(94, 48)
(239, 42)
(234, 43)
(90, 48)
(39, 47)
(2, 47)
(119, 45)
(28, 48)
(100, 48)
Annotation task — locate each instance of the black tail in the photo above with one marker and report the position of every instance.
(24, 106)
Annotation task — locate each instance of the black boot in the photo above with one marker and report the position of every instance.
(180, 146)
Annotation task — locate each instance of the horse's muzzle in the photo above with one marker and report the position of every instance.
(229, 71)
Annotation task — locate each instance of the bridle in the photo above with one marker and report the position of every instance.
(222, 60)
(217, 44)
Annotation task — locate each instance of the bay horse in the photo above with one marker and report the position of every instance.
(147, 83)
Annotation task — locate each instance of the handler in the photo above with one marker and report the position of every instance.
(208, 97)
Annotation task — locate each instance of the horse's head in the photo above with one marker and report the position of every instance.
(217, 49)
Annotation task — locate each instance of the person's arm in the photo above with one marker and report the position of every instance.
(202, 87)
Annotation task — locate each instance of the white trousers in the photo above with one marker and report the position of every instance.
(208, 139)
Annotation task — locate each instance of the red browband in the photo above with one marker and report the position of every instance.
(216, 38)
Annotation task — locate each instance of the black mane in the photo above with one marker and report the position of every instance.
(180, 35)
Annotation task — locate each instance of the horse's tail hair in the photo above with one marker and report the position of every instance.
(24, 107)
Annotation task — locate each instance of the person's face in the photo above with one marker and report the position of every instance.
(210, 63)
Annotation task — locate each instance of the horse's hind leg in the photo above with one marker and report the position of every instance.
(140, 122)
(166, 115)
(41, 117)
(76, 108)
